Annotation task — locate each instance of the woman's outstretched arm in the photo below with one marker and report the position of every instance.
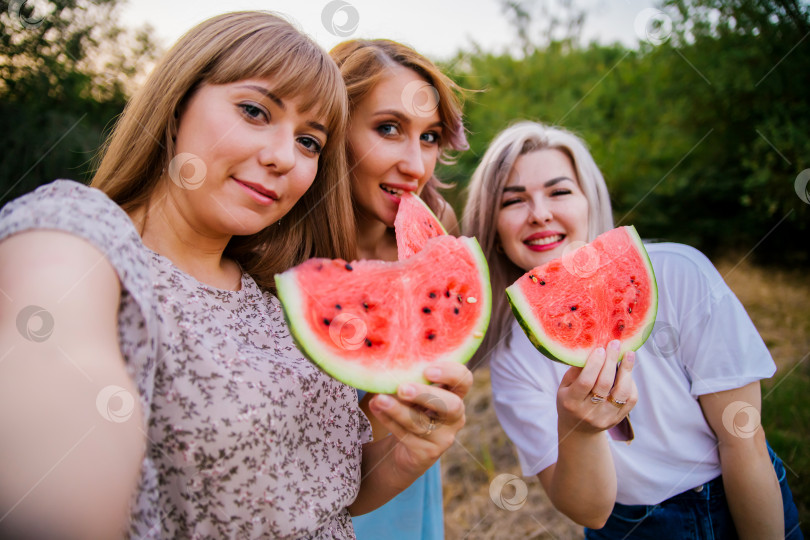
(67, 471)
(582, 483)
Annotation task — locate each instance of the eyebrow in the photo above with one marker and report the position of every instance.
(548, 183)
(403, 118)
(275, 99)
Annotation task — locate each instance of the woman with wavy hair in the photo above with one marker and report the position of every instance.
(404, 117)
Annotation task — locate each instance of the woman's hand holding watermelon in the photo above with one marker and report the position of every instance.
(423, 421)
(598, 395)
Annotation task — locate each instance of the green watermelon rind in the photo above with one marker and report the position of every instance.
(429, 211)
(577, 357)
(359, 376)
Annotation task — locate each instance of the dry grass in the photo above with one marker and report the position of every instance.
(778, 302)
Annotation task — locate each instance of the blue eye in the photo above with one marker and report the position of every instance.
(430, 137)
(387, 130)
(254, 112)
(311, 145)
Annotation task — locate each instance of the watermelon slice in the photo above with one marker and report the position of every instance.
(374, 324)
(415, 224)
(602, 291)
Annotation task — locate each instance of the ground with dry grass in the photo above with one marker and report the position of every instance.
(777, 300)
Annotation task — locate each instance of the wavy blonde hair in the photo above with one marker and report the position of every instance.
(482, 209)
(221, 50)
(364, 63)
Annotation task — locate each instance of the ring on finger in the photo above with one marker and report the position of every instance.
(596, 398)
(431, 427)
(616, 402)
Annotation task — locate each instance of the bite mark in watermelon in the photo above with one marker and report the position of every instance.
(375, 324)
(415, 224)
(602, 291)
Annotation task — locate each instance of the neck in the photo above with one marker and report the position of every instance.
(375, 240)
(167, 230)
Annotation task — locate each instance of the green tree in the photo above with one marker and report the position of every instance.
(66, 69)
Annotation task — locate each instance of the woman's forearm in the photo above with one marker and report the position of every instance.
(752, 489)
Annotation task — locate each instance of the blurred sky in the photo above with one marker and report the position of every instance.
(436, 28)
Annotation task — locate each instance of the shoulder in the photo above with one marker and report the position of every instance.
(66, 212)
(683, 266)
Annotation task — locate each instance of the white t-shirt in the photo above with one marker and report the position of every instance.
(703, 342)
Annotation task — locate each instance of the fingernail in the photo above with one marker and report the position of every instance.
(614, 345)
(600, 351)
(433, 373)
(383, 402)
(630, 358)
(407, 390)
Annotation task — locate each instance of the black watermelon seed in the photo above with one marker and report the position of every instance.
(337, 306)
(632, 279)
(432, 295)
(569, 325)
(459, 297)
(431, 335)
(365, 305)
(368, 342)
(447, 293)
(533, 277)
(327, 322)
(455, 310)
(542, 282)
(629, 310)
(573, 308)
(621, 327)
(425, 310)
(349, 267)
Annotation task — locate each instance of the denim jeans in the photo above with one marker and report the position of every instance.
(697, 514)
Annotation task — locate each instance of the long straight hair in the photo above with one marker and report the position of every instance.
(483, 207)
(221, 50)
(364, 63)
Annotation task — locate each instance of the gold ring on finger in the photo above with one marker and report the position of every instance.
(616, 402)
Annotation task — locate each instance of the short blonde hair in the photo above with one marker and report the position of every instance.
(482, 208)
(228, 48)
(364, 63)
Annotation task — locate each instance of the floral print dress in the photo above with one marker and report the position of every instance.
(245, 437)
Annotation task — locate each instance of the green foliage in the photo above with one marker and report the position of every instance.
(67, 67)
(700, 139)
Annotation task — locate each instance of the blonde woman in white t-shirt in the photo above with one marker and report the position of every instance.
(690, 472)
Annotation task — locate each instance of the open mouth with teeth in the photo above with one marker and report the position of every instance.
(393, 191)
(545, 241)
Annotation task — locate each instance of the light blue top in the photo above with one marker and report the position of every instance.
(414, 514)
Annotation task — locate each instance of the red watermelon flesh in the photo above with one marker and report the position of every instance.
(415, 224)
(602, 291)
(374, 324)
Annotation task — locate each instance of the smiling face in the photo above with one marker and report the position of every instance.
(542, 209)
(259, 155)
(393, 143)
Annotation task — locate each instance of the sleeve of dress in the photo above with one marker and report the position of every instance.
(524, 392)
(720, 347)
(71, 207)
